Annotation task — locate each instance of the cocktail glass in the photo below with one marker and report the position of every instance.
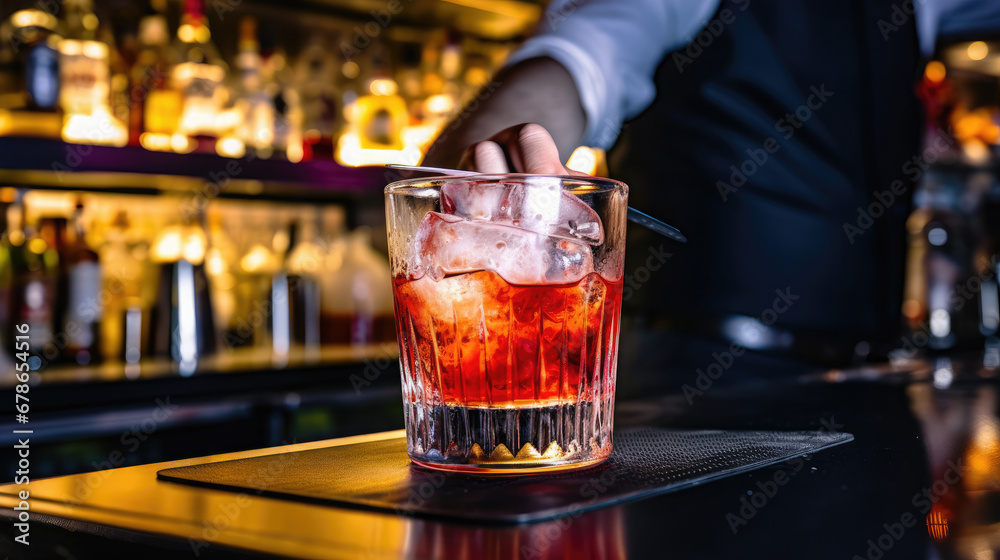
(507, 292)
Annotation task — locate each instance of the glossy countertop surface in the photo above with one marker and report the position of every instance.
(921, 480)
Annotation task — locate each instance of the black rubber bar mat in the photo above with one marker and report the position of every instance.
(378, 475)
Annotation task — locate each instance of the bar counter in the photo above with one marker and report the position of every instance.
(920, 476)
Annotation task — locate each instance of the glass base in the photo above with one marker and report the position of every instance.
(511, 440)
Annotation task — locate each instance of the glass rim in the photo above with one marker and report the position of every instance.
(404, 186)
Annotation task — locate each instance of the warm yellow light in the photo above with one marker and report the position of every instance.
(119, 82)
(584, 160)
(229, 146)
(16, 237)
(37, 246)
(419, 135)
(935, 71)
(189, 70)
(214, 263)
(99, 128)
(89, 22)
(976, 151)
(383, 86)
(176, 243)
(978, 50)
(439, 104)
(228, 119)
(182, 144)
(95, 49)
(155, 141)
(352, 112)
(295, 153)
(48, 203)
(258, 259)
(186, 33)
(70, 47)
(350, 69)
(451, 61)
(33, 18)
(281, 241)
(476, 76)
(168, 247)
(202, 34)
(349, 152)
(194, 247)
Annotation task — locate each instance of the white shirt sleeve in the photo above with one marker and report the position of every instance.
(611, 48)
(937, 18)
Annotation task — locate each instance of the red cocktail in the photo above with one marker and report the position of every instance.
(507, 298)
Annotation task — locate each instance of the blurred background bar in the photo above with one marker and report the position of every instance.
(185, 225)
(191, 209)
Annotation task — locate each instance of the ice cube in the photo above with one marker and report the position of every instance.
(539, 205)
(447, 245)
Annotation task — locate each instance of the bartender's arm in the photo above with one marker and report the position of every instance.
(589, 67)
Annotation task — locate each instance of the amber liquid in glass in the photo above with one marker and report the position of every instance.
(508, 376)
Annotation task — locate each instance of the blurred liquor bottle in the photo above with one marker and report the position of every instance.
(356, 299)
(85, 81)
(121, 256)
(29, 73)
(31, 284)
(256, 130)
(51, 239)
(280, 87)
(316, 73)
(81, 318)
(154, 105)
(303, 267)
(199, 77)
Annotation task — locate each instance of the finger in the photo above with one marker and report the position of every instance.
(486, 157)
(537, 151)
(530, 149)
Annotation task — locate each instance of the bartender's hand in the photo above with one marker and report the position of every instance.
(538, 91)
(523, 148)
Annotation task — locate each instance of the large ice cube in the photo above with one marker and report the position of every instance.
(447, 245)
(539, 205)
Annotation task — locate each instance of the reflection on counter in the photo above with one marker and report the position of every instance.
(120, 279)
(961, 429)
(598, 534)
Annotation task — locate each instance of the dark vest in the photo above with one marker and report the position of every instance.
(768, 134)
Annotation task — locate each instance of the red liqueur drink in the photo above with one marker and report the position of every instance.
(507, 321)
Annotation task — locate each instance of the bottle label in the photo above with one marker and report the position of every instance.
(84, 304)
